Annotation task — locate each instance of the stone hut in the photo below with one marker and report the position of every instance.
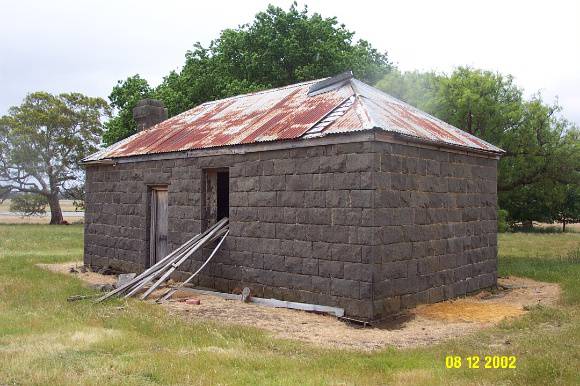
(337, 194)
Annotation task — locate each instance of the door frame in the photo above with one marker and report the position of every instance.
(153, 221)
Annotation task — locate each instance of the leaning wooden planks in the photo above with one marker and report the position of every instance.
(166, 266)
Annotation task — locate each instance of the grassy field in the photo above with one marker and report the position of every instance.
(65, 205)
(45, 340)
(13, 218)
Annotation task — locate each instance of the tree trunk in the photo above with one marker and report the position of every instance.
(564, 226)
(528, 225)
(55, 210)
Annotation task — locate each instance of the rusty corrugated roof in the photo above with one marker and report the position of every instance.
(290, 113)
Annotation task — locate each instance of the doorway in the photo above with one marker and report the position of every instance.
(158, 225)
(223, 194)
(215, 196)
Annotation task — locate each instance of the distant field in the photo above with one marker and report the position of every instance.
(11, 218)
(66, 205)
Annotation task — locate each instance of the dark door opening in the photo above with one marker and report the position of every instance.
(223, 194)
(215, 196)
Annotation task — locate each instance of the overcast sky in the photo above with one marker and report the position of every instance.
(86, 46)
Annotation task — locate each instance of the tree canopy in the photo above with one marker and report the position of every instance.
(538, 176)
(278, 48)
(542, 149)
(43, 140)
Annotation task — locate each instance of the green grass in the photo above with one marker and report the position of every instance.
(45, 340)
(551, 257)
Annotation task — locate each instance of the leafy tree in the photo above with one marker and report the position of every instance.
(278, 48)
(419, 89)
(77, 194)
(541, 148)
(568, 209)
(502, 224)
(29, 204)
(124, 97)
(483, 103)
(43, 140)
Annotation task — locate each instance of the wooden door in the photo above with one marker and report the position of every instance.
(158, 233)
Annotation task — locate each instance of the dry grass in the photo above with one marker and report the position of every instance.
(66, 206)
(46, 340)
(425, 325)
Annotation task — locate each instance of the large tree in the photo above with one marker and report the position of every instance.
(542, 151)
(278, 48)
(42, 142)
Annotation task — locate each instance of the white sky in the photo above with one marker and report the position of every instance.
(87, 46)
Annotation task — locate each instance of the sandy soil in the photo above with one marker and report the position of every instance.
(88, 276)
(424, 325)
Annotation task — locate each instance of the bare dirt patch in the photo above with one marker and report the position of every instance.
(424, 325)
(88, 276)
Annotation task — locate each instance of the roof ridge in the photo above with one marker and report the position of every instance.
(412, 108)
(263, 91)
(233, 97)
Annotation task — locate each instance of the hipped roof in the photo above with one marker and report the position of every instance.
(312, 109)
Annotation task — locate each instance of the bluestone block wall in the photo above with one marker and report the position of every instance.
(437, 218)
(367, 226)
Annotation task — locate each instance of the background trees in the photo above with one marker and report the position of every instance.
(42, 142)
(29, 204)
(538, 176)
(542, 158)
(278, 48)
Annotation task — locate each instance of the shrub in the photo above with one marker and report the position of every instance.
(29, 204)
(502, 225)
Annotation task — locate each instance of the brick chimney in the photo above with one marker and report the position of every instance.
(149, 112)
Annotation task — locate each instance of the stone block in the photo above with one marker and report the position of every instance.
(290, 199)
(272, 183)
(342, 180)
(345, 288)
(337, 198)
(334, 163)
(329, 268)
(321, 250)
(321, 284)
(299, 182)
(293, 264)
(322, 181)
(436, 295)
(261, 199)
(359, 162)
(270, 214)
(361, 198)
(391, 235)
(357, 271)
(346, 252)
(310, 266)
(284, 166)
(274, 262)
(314, 199)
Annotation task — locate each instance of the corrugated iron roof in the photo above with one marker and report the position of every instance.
(290, 113)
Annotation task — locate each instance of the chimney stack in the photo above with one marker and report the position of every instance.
(149, 112)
